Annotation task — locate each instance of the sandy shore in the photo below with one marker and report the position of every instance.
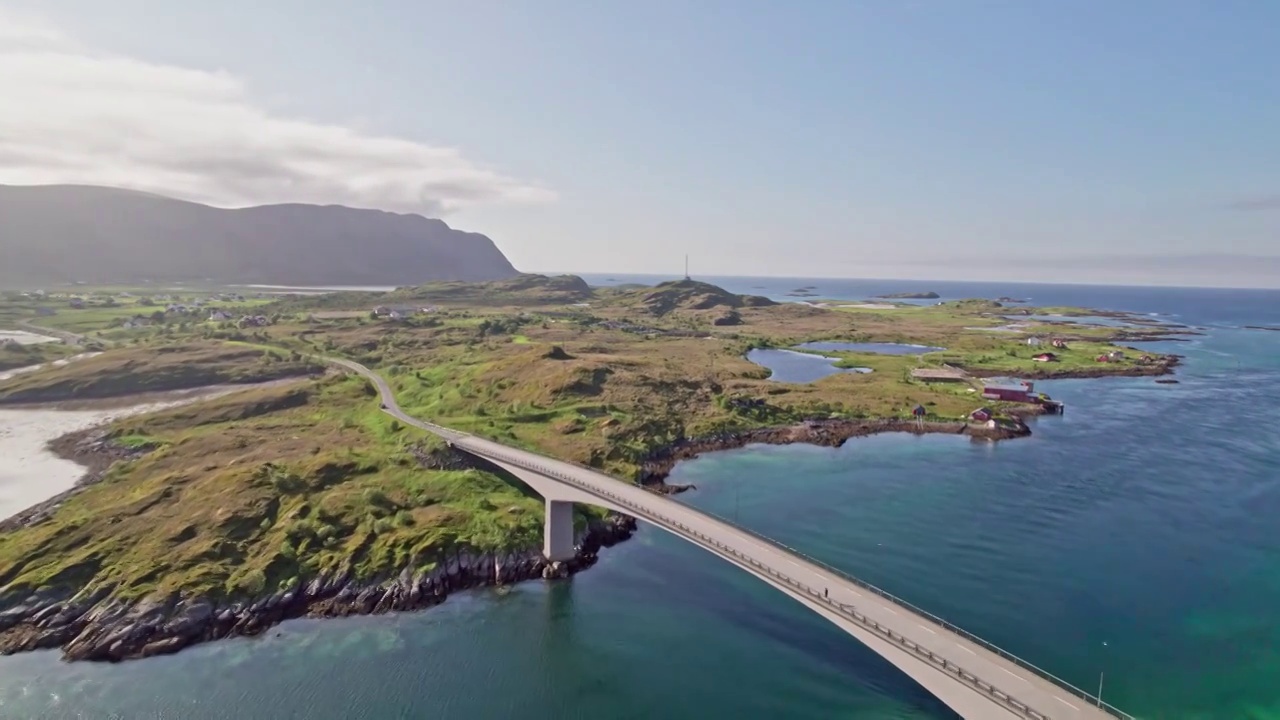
(31, 473)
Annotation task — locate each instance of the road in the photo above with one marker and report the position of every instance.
(68, 338)
(940, 656)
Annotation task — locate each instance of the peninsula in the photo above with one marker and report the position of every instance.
(300, 497)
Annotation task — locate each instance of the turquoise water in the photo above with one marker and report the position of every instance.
(1144, 518)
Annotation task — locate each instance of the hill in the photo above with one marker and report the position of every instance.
(530, 289)
(694, 295)
(68, 233)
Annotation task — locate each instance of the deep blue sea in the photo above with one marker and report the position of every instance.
(1134, 540)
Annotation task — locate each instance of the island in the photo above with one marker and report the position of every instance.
(292, 494)
(909, 296)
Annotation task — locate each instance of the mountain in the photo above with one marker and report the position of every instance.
(67, 233)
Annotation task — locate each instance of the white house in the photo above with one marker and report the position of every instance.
(218, 316)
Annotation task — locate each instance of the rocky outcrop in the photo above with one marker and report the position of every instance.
(92, 625)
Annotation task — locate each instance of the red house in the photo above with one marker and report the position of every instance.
(1009, 391)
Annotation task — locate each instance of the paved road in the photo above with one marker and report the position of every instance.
(66, 337)
(920, 644)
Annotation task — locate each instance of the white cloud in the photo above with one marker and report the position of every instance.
(72, 115)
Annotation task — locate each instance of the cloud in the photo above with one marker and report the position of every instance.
(73, 115)
(1263, 202)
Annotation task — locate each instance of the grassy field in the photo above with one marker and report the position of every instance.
(13, 355)
(249, 491)
(152, 368)
(216, 510)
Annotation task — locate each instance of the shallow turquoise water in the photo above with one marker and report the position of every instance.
(1145, 519)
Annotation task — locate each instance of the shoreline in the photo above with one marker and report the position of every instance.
(655, 469)
(93, 626)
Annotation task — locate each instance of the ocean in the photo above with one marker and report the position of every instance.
(1131, 543)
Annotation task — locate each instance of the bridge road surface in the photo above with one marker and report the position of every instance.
(1043, 698)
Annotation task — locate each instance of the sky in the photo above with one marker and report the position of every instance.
(1090, 141)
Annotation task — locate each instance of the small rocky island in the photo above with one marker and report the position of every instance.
(909, 296)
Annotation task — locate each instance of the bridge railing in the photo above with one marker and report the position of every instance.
(847, 611)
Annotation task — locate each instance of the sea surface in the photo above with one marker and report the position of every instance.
(1134, 541)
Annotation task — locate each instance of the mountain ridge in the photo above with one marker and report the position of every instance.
(87, 233)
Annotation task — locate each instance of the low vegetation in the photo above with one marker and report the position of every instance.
(244, 493)
(151, 368)
(249, 491)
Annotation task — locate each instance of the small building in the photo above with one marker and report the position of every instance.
(76, 303)
(1115, 355)
(1009, 391)
(1046, 357)
(1059, 343)
(381, 311)
(1034, 341)
(395, 315)
(947, 374)
(218, 316)
(981, 415)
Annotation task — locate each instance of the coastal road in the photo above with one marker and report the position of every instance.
(973, 677)
(68, 338)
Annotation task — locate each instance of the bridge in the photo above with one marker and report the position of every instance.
(976, 679)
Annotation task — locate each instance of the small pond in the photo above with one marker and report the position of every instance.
(877, 348)
(796, 367)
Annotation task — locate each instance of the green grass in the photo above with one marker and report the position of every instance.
(126, 371)
(250, 491)
(13, 355)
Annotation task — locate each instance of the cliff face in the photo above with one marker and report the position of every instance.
(65, 233)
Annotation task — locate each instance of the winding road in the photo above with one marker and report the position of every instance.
(974, 678)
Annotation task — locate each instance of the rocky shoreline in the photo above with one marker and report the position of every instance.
(93, 626)
(828, 433)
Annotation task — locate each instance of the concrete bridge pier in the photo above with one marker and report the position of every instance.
(557, 531)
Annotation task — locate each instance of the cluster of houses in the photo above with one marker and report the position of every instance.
(245, 321)
(400, 313)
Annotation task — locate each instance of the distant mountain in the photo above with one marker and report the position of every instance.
(68, 233)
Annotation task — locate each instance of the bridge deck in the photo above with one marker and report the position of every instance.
(1011, 685)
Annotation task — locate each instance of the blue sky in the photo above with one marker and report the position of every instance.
(966, 140)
